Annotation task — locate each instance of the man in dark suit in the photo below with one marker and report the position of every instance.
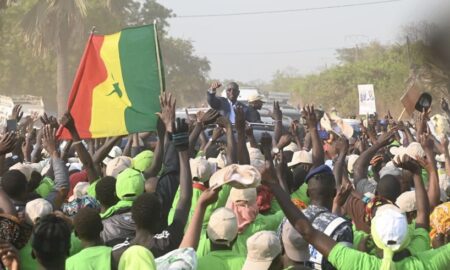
(226, 106)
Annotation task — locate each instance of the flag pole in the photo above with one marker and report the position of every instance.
(158, 59)
(401, 115)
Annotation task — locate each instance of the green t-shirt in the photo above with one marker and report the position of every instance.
(28, 263)
(221, 260)
(90, 258)
(342, 257)
(45, 187)
(91, 189)
(261, 223)
(300, 194)
(221, 201)
(420, 240)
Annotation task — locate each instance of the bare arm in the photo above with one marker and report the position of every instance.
(362, 163)
(159, 152)
(231, 144)
(83, 154)
(318, 155)
(339, 166)
(192, 234)
(323, 243)
(433, 189)
(243, 156)
(277, 116)
(103, 151)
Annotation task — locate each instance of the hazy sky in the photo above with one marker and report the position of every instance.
(254, 47)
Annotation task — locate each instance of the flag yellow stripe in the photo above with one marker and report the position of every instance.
(109, 99)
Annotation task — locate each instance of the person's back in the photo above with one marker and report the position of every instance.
(222, 231)
(88, 225)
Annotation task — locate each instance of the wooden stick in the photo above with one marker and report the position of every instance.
(401, 115)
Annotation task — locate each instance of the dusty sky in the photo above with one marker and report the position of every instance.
(254, 47)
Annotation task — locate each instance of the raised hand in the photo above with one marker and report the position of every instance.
(9, 255)
(49, 139)
(310, 116)
(342, 194)
(240, 118)
(223, 122)
(46, 120)
(167, 114)
(277, 115)
(209, 196)
(407, 163)
(215, 85)
(387, 137)
(217, 133)
(17, 113)
(293, 129)
(66, 121)
(209, 117)
(7, 143)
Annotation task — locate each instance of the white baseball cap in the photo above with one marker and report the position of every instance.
(301, 156)
(118, 165)
(407, 201)
(255, 96)
(201, 168)
(238, 176)
(351, 161)
(246, 194)
(296, 248)
(391, 226)
(113, 153)
(37, 208)
(262, 248)
(222, 226)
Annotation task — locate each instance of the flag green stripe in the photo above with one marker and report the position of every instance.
(138, 59)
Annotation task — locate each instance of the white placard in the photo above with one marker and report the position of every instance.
(366, 99)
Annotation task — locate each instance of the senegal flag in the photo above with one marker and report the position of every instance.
(116, 88)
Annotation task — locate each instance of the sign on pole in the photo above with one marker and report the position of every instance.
(366, 99)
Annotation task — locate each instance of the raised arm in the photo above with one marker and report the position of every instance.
(61, 179)
(103, 151)
(362, 163)
(213, 101)
(231, 144)
(277, 116)
(339, 165)
(433, 189)
(318, 155)
(423, 206)
(192, 234)
(181, 141)
(158, 156)
(85, 158)
(179, 132)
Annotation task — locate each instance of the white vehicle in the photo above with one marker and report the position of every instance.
(30, 104)
(6, 106)
(244, 94)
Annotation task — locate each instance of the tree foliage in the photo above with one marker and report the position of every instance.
(387, 67)
(22, 71)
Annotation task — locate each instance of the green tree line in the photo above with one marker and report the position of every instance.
(42, 42)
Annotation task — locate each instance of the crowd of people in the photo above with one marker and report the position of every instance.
(316, 195)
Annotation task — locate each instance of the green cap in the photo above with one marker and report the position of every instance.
(129, 184)
(143, 160)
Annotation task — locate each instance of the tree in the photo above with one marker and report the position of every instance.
(49, 26)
